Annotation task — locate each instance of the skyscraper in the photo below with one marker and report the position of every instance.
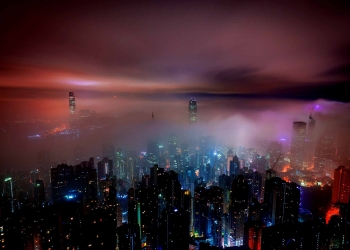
(72, 103)
(174, 232)
(229, 159)
(341, 185)
(153, 152)
(172, 146)
(72, 112)
(44, 166)
(192, 110)
(282, 202)
(298, 145)
(239, 205)
(62, 181)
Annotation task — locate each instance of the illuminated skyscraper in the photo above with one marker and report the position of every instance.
(341, 185)
(298, 145)
(72, 103)
(192, 110)
(72, 118)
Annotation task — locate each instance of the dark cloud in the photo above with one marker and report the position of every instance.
(340, 71)
(155, 51)
(234, 76)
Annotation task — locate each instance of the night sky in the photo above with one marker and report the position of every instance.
(254, 67)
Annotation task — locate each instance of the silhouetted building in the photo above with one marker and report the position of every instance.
(239, 204)
(85, 182)
(128, 237)
(104, 168)
(234, 166)
(62, 182)
(155, 174)
(253, 234)
(229, 158)
(174, 232)
(44, 166)
(282, 202)
(39, 191)
(307, 235)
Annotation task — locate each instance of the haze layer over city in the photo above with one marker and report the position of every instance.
(253, 68)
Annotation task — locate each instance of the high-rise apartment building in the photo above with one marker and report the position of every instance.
(62, 181)
(229, 159)
(298, 145)
(39, 191)
(192, 110)
(174, 232)
(341, 185)
(239, 205)
(282, 200)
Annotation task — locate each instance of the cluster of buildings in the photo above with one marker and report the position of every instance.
(192, 195)
(218, 203)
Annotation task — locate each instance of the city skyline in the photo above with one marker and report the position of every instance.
(122, 53)
(175, 125)
(253, 72)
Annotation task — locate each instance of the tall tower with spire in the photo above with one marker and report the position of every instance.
(192, 110)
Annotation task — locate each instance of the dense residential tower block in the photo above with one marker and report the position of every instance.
(341, 185)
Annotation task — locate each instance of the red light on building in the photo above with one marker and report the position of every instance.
(341, 185)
